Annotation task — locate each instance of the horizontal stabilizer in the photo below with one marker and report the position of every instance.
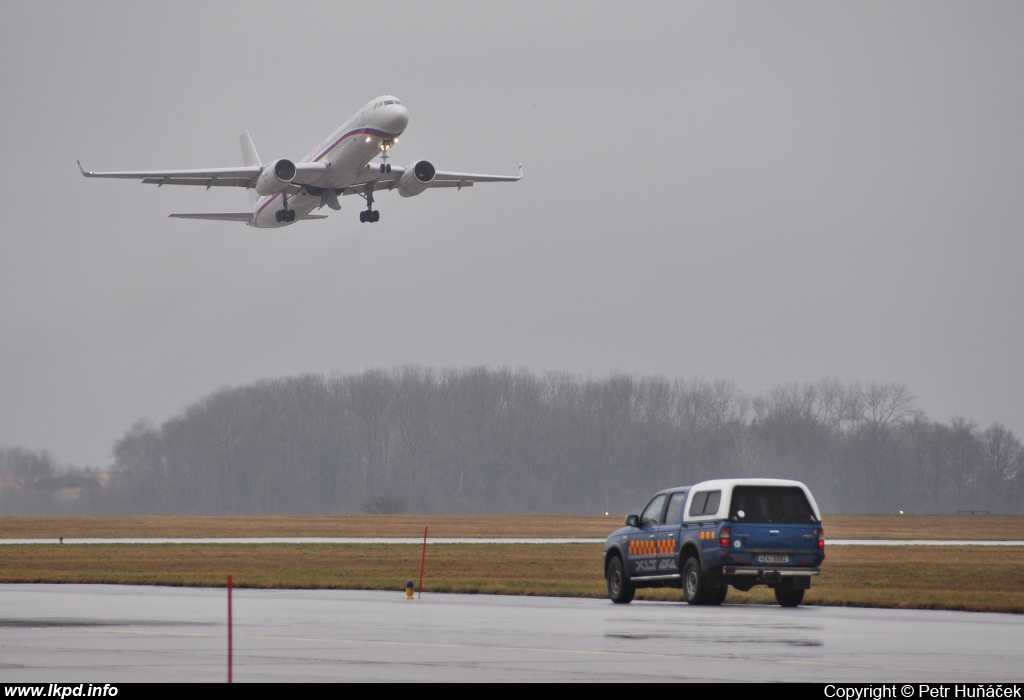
(226, 216)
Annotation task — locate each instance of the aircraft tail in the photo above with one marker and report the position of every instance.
(249, 157)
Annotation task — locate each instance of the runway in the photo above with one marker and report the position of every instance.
(109, 634)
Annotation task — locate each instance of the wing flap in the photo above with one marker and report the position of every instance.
(206, 182)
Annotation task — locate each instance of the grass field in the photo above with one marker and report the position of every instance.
(967, 527)
(955, 578)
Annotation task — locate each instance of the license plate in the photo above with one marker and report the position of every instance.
(772, 559)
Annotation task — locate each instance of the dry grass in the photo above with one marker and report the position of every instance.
(988, 527)
(957, 578)
(953, 578)
(568, 570)
(927, 527)
(310, 526)
(942, 578)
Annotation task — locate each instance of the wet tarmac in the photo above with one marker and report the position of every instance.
(109, 634)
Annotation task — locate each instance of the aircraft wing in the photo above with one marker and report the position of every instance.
(219, 216)
(442, 178)
(242, 176)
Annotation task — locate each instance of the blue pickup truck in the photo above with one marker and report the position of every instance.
(720, 533)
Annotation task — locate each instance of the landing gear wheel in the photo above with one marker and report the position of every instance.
(787, 595)
(620, 588)
(369, 215)
(695, 583)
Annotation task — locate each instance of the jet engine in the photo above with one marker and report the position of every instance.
(416, 178)
(276, 176)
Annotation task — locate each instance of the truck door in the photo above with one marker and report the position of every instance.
(666, 535)
(642, 543)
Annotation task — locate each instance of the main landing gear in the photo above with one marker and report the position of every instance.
(286, 214)
(369, 215)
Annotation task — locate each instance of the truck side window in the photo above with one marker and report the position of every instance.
(675, 508)
(652, 513)
(697, 504)
(711, 507)
(705, 503)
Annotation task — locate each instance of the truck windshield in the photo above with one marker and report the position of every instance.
(770, 504)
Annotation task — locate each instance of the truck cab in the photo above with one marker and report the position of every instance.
(719, 533)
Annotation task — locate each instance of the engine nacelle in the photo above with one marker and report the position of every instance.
(275, 177)
(416, 178)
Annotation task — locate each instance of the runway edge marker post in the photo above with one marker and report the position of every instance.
(230, 645)
(423, 562)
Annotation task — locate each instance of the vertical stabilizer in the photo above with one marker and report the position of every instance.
(249, 157)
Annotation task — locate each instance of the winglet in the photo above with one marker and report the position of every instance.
(84, 171)
(520, 171)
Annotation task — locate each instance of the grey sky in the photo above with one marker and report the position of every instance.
(763, 192)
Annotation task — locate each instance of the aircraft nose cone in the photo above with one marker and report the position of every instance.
(396, 118)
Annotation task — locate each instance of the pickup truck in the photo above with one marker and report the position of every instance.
(720, 533)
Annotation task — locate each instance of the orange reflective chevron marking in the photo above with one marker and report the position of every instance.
(706, 534)
(641, 547)
(651, 547)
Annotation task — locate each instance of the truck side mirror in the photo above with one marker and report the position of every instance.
(633, 520)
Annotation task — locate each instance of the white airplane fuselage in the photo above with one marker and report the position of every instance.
(346, 154)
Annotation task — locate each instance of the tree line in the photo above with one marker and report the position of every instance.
(479, 440)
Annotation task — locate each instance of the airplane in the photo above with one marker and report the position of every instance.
(284, 191)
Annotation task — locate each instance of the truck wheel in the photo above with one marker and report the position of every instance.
(716, 596)
(620, 588)
(695, 584)
(787, 595)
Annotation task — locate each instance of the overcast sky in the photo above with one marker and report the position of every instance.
(760, 192)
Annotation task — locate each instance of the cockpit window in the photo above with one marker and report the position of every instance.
(389, 102)
(398, 102)
(377, 105)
